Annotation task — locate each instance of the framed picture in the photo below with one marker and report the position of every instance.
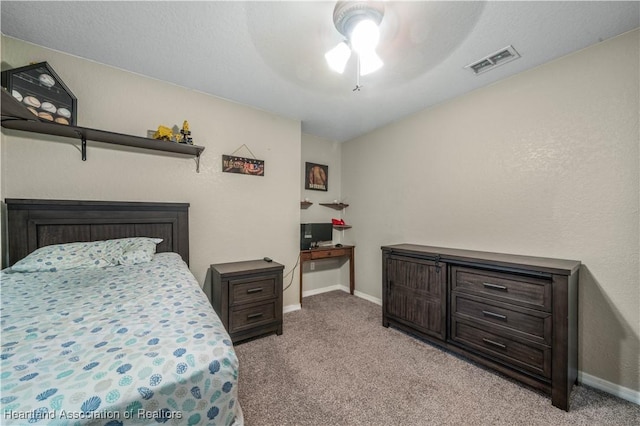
(39, 88)
(316, 177)
(242, 165)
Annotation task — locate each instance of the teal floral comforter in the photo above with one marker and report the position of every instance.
(114, 346)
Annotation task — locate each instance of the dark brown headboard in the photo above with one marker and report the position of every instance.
(36, 223)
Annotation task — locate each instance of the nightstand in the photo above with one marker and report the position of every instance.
(247, 296)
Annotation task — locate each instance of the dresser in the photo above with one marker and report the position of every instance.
(514, 314)
(247, 296)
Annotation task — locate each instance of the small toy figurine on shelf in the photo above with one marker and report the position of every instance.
(186, 133)
(163, 133)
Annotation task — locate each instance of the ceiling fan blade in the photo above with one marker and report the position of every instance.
(338, 56)
(369, 62)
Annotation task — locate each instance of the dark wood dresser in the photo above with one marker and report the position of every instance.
(515, 314)
(247, 296)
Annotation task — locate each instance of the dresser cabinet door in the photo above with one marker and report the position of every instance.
(416, 294)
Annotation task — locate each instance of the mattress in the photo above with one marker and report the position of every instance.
(115, 345)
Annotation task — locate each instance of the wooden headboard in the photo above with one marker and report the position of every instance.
(36, 223)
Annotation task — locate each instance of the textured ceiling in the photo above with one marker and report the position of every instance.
(270, 55)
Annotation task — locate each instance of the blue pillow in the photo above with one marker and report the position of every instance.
(56, 257)
(94, 254)
(135, 250)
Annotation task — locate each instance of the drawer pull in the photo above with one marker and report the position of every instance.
(253, 316)
(495, 286)
(494, 315)
(254, 290)
(491, 342)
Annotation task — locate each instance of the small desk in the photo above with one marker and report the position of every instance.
(328, 253)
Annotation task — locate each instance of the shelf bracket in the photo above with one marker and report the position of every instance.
(197, 160)
(84, 148)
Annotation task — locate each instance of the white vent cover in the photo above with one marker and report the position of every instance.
(498, 58)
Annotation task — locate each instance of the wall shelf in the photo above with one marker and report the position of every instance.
(305, 204)
(341, 226)
(336, 206)
(17, 117)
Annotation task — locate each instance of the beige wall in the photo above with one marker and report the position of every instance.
(544, 163)
(330, 272)
(232, 217)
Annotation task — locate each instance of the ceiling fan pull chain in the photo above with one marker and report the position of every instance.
(357, 88)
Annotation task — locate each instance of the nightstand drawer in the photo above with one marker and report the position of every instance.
(531, 357)
(514, 320)
(250, 290)
(511, 288)
(243, 318)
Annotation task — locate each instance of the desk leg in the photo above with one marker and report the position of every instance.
(301, 267)
(352, 283)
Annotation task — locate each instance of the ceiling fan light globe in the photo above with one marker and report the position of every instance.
(338, 56)
(369, 62)
(365, 36)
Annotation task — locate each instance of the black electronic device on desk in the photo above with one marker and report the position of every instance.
(313, 233)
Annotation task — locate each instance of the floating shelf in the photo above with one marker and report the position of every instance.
(16, 116)
(341, 226)
(305, 204)
(336, 206)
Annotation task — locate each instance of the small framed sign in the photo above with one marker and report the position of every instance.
(242, 165)
(316, 177)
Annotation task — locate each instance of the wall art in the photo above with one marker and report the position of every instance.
(242, 165)
(316, 177)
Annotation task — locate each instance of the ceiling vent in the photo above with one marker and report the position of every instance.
(498, 58)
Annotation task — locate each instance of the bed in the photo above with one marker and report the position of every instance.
(103, 323)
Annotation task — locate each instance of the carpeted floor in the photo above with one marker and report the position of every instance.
(336, 365)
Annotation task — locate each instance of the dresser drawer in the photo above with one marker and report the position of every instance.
(532, 357)
(246, 317)
(514, 320)
(511, 288)
(249, 290)
(324, 254)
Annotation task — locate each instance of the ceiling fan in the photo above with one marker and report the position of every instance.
(358, 22)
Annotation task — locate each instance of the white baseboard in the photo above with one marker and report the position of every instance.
(291, 308)
(342, 288)
(608, 387)
(324, 290)
(297, 306)
(365, 296)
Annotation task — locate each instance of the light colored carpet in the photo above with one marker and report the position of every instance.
(336, 365)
